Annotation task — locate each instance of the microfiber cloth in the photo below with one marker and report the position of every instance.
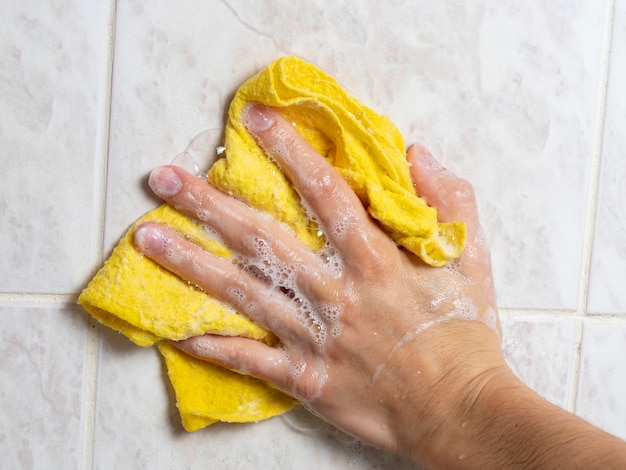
(135, 296)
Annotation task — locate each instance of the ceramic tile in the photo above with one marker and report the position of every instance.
(602, 385)
(608, 269)
(522, 106)
(540, 353)
(176, 67)
(42, 350)
(137, 420)
(50, 74)
(506, 97)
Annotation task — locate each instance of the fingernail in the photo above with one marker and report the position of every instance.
(165, 182)
(257, 118)
(149, 239)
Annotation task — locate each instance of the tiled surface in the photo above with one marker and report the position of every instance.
(42, 350)
(152, 435)
(540, 353)
(505, 95)
(606, 292)
(603, 378)
(50, 74)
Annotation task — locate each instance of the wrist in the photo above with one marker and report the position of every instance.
(454, 391)
(477, 433)
(504, 424)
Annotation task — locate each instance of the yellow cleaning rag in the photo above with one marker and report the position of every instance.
(147, 303)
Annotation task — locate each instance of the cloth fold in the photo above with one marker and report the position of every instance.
(147, 303)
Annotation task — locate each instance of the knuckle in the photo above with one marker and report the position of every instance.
(323, 184)
(376, 266)
(464, 191)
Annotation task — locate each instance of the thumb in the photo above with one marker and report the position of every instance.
(454, 199)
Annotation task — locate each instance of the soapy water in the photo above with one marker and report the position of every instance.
(321, 320)
(201, 153)
(306, 422)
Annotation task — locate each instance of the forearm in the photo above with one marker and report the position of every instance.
(510, 426)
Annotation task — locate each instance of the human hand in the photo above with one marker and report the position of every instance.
(381, 345)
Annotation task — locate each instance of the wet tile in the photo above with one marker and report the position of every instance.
(608, 268)
(540, 353)
(506, 98)
(602, 384)
(43, 350)
(137, 420)
(51, 66)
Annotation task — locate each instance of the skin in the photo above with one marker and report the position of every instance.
(404, 356)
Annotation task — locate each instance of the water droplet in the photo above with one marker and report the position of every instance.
(302, 420)
(201, 152)
(186, 162)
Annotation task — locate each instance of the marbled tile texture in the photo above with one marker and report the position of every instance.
(511, 95)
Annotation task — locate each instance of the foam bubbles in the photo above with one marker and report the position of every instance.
(320, 321)
(338, 229)
(298, 368)
(237, 295)
(204, 215)
(332, 259)
(212, 233)
(464, 309)
(330, 312)
(491, 319)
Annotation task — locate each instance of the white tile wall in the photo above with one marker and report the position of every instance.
(602, 377)
(52, 69)
(606, 292)
(43, 351)
(525, 99)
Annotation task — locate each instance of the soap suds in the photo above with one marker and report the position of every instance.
(464, 309)
(212, 233)
(282, 277)
(265, 260)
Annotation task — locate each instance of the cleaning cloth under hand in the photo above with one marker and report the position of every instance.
(147, 303)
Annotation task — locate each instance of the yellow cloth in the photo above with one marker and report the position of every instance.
(135, 296)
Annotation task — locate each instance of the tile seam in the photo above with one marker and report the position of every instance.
(595, 165)
(592, 205)
(90, 374)
(574, 372)
(25, 298)
(560, 315)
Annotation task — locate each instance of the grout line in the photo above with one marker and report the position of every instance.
(11, 298)
(592, 204)
(594, 171)
(559, 315)
(574, 375)
(536, 313)
(90, 384)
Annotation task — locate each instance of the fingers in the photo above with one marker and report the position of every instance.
(337, 207)
(242, 355)
(454, 199)
(219, 277)
(293, 372)
(240, 226)
(256, 237)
